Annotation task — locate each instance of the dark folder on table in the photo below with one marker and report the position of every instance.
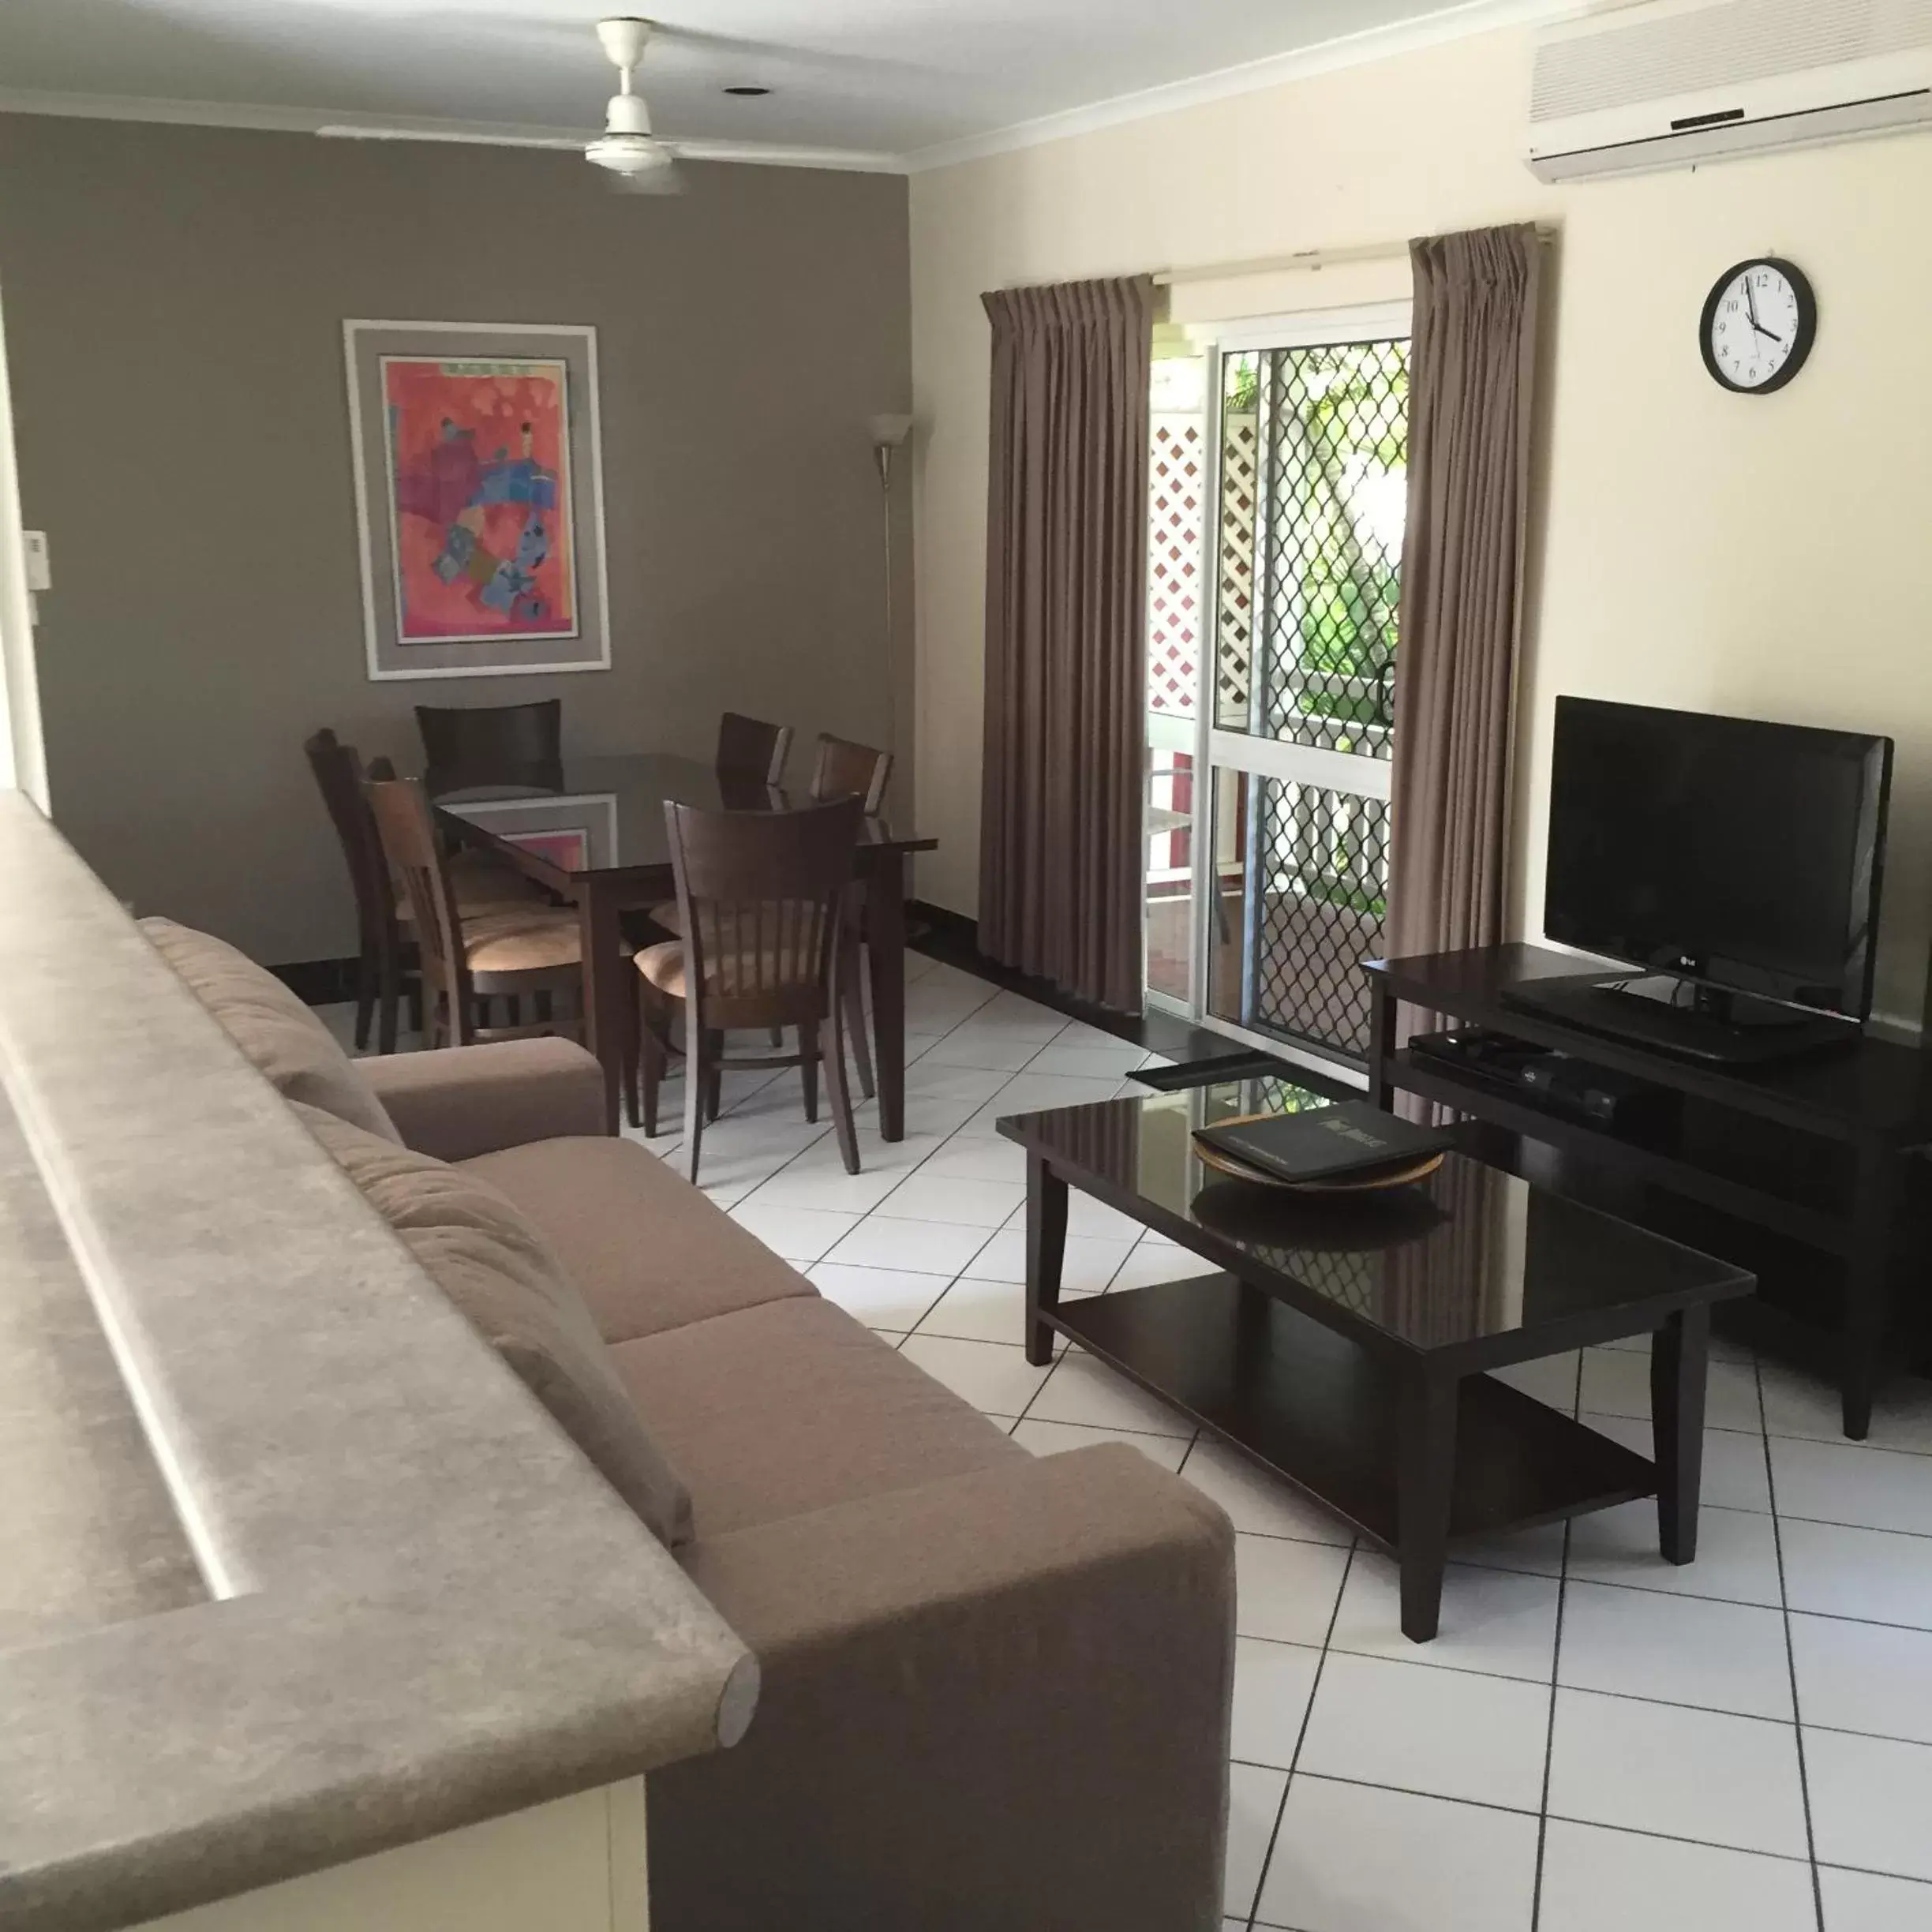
(1353, 1140)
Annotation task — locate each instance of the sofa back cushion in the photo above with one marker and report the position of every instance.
(284, 1041)
(501, 1274)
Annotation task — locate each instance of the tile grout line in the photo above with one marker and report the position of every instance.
(1872, 1871)
(1308, 1718)
(1791, 1666)
(1589, 1690)
(1563, 1817)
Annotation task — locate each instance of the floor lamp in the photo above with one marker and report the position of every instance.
(889, 435)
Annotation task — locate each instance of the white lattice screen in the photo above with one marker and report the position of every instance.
(1177, 504)
(1239, 496)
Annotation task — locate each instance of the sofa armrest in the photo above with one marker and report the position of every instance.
(1018, 1680)
(456, 1102)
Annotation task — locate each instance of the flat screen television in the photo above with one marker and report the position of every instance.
(1721, 851)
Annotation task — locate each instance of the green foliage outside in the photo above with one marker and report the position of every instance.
(1335, 423)
(1338, 416)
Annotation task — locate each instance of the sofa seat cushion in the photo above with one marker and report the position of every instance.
(499, 1273)
(647, 1250)
(777, 1411)
(280, 1036)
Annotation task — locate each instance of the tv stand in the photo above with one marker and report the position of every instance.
(1805, 1170)
(1681, 1016)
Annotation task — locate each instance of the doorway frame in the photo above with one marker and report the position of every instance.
(1216, 749)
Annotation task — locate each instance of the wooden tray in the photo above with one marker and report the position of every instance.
(1418, 1170)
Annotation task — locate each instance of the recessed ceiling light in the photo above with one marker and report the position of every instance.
(748, 93)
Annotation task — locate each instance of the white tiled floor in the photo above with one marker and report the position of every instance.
(1596, 1742)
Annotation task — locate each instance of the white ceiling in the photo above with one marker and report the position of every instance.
(893, 76)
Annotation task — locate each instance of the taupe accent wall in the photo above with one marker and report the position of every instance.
(173, 302)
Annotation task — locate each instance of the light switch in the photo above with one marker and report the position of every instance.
(40, 571)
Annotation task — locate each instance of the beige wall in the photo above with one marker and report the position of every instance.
(174, 303)
(1770, 556)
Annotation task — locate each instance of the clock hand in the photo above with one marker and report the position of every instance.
(1762, 331)
(1751, 304)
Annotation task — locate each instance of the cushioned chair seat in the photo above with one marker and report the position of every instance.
(663, 967)
(646, 1250)
(526, 938)
(778, 1410)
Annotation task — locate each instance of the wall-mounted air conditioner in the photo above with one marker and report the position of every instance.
(1669, 82)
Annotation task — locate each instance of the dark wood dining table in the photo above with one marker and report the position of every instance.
(592, 830)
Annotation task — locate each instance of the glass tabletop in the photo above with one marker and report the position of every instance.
(605, 812)
(1471, 1254)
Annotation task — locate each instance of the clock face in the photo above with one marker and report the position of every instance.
(1759, 323)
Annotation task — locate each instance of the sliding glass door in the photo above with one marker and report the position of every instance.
(1303, 488)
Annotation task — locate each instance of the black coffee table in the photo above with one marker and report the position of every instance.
(1343, 1346)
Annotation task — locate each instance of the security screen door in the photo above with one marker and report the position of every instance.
(1275, 533)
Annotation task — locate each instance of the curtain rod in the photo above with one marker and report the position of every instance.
(1303, 259)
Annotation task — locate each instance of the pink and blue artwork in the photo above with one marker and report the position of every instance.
(480, 515)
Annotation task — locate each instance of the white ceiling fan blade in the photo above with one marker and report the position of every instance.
(462, 137)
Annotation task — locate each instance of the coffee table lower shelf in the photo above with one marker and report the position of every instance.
(1319, 1409)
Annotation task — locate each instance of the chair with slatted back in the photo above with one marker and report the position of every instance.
(749, 747)
(489, 742)
(750, 765)
(762, 897)
(386, 972)
(380, 973)
(844, 769)
(470, 954)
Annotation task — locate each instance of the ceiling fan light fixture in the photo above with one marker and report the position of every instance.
(629, 154)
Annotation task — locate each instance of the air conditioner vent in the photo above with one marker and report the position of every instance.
(1720, 48)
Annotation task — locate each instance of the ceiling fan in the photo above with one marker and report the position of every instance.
(636, 160)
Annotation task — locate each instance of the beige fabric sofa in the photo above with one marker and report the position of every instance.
(995, 1688)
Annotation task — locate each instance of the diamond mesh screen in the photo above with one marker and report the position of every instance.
(1176, 487)
(1240, 488)
(1335, 443)
(1318, 894)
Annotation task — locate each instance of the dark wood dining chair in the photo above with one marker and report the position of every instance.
(767, 943)
(385, 963)
(750, 764)
(471, 954)
(338, 776)
(492, 741)
(749, 747)
(844, 769)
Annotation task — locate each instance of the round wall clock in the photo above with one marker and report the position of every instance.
(1759, 323)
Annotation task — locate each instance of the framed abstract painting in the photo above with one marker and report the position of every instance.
(479, 498)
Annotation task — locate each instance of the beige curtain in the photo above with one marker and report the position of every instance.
(1472, 389)
(1060, 852)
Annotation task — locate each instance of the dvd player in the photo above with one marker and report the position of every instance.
(1560, 1082)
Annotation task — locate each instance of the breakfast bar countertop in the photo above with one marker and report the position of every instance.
(296, 1572)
